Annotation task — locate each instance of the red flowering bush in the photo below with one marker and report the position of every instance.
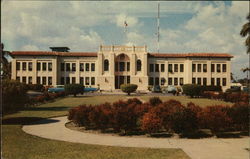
(154, 101)
(151, 122)
(81, 116)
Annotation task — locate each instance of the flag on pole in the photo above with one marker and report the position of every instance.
(125, 26)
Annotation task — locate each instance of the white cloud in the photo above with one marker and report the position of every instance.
(30, 48)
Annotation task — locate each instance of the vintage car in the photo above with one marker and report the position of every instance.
(60, 88)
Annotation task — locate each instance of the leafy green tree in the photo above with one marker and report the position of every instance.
(245, 31)
(129, 88)
(74, 89)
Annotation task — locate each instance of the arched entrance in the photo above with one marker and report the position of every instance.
(122, 70)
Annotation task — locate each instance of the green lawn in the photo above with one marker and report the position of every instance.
(18, 145)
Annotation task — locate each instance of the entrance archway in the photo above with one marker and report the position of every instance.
(122, 70)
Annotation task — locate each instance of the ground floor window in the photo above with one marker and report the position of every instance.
(193, 80)
(151, 81)
(163, 81)
(18, 78)
(62, 81)
(38, 80)
(73, 80)
(30, 80)
(87, 80)
(204, 81)
(224, 81)
(199, 81)
(67, 80)
(175, 81)
(181, 81)
(218, 82)
(92, 80)
(212, 81)
(170, 82)
(82, 80)
(50, 80)
(44, 80)
(156, 81)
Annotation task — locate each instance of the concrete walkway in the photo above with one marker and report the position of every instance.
(210, 148)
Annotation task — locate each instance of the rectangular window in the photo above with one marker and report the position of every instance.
(30, 66)
(92, 66)
(73, 80)
(122, 66)
(50, 66)
(212, 81)
(30, 80)
(224, 81)
(212, 67)
(218, 68)
(175, 67)
(67, 66)
(38, 66)
(181, 81)
(224, 67)
(128, 66)
(170, 68)
(156, 67)
(87, 80)
(18, 78)
(194, 67)
(50, 80)
(163, 81)
(175, 81)
(151, 67)
(218, 81)
(73, 67)
(199, 81)
(44, 80)
(204, 67)
(38, 80)
(162, 67)
(23, 79)
(44, 66)
(67, 80)
(62, 66)
(116, 67)
(157, 81)
(193, 81)
(204, 81)
(24, 66)
(18, 66)
(62, 81)
(82, 80)
(128, 79)
(199, 67)
(92, 80)
(181, 67)
(151, 81)
(170, 82)
(81, 66)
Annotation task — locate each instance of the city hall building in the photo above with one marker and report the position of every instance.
(112, 66)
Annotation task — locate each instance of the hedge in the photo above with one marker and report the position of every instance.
(74, 89)
(128, 88)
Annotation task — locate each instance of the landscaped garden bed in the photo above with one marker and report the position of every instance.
(157, 118)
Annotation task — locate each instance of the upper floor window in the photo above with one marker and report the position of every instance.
(212, 67)
(218, 68)
(151, 67)
(138, 65)
(170, 68)
(162, 68)
(24, 66)
(199, 67)
(18, 66)
(67, 67)
(224, 67)
(44, 66)
(87, 66)
(92, 66)
(73, 66)
(194, 67)
(181, 67)
(156, 67)
(62, 66)
(175, 67)
(204, 67)
(122, 66)
(50, 66)
(30, 66)
(106, 65)
(81, 66)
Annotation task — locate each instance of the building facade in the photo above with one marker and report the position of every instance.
(112, 66)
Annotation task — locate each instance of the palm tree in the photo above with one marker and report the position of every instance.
(245, 31)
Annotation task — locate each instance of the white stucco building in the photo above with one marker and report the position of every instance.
(112, 66)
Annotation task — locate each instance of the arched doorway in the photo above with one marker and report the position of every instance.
(122, 70)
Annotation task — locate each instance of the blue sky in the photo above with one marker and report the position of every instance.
(83, 25)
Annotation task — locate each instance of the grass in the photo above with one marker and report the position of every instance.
(18, 145)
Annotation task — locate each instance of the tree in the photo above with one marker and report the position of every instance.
(74, 89)
(245, 31)
(129, 88)
(5, 65)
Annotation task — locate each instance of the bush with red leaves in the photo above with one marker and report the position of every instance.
(151, 122)
(154, 101)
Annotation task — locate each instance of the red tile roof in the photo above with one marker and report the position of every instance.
(46, 53)
(190, 55)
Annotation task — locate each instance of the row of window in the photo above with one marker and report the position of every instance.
(82, 80)
(40, 80)
(171, 67)
(122, 66)
(161, 81)
(203, 81)
(44, 66)
(203, 67)
(83, 67)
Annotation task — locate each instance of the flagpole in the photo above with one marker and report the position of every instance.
(158, 28)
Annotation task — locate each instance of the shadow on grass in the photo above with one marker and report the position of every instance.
(27, 121)
(46, 108)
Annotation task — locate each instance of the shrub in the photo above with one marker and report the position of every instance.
(81, 115)
(129, 88)
(74, 89)
(151, 122)
(14, 95)
(193, 90)
(212, 88)
(154, 101)
(36, 87)
(134, 100)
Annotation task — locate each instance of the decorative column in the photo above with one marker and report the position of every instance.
(13, 69)
(34, 71)
(54, 71)
(77, 71)
(209, 73)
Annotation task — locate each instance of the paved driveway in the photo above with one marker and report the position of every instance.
(209, 148)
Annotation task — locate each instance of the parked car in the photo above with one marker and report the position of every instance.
(60, 88)
(156, 89)
(171, 89)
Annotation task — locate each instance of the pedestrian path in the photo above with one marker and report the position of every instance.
(209, 148)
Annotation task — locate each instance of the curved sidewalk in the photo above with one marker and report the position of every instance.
(54, 128)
